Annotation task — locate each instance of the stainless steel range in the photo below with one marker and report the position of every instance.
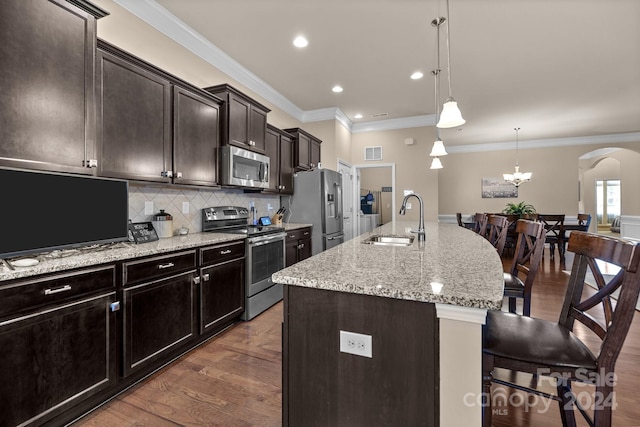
(265, 254)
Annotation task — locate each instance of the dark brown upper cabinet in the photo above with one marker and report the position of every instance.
(47, 116)
(151, 125)
(307, 149)
(195, 137)
(280, 149)
(244, 120)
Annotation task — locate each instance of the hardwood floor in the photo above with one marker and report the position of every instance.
(235, 379)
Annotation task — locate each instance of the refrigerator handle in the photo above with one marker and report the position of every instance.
(339, 201)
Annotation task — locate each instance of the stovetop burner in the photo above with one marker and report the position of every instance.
(233, 219)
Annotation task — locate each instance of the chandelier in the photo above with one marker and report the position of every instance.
(516, 178)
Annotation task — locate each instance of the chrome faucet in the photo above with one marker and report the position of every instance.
(403, 210)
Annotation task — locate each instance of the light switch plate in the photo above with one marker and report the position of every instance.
(185, 207)
(148, 208)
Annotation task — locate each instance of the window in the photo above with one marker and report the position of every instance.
(607, 200)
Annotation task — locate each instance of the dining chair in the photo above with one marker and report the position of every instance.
(480, 223)
(547, 349)
(518, 281)
(584, 220)
(497, 227)
(554, 226)
(459, 219)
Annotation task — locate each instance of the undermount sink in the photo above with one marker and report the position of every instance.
(389, 240)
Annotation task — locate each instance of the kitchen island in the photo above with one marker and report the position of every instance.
(417, 312)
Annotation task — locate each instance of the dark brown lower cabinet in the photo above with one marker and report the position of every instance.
(322, 386)
(221, 299)
(54, 359)
(158, 320)
(297, 245)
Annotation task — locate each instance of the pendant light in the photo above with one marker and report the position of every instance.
(451, 115)
(517, 177)
(438, 146)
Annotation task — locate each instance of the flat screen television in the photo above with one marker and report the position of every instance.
(43, 211)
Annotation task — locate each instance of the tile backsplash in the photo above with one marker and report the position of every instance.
(172, 201)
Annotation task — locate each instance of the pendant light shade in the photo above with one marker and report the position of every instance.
(436, 163)
(438, 149)
(451, 115)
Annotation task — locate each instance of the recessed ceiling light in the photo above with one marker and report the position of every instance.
(337, 89)
(417, 75)
(357, 116)
(300, 41)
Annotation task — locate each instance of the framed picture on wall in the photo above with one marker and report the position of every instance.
(494, 188)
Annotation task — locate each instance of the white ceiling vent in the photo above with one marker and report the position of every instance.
(373, 153)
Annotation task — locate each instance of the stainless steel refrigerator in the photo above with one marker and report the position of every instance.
(317, 200)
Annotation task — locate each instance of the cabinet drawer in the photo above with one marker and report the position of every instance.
(301, 233)
(38, 292)
(135, 271)
(221, 253)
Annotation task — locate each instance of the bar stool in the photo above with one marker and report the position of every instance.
(540, 347)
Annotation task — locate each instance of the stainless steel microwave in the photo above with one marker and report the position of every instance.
(244, 168)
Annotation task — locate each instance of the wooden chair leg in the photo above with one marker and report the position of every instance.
(605, 400)
(567, 410)
(487, 377)
(512, 304)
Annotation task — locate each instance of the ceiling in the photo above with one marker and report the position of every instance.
(555, 68)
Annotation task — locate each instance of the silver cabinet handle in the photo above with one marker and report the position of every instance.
(52, 291)
(178, 174)
(115, 306)
(301, 245)
(196, 280)
(206, 277)
(225, 252)
(166, 174)
(306, 233)
(167, 265)
(291, 236)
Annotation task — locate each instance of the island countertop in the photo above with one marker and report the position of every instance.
(454, 266)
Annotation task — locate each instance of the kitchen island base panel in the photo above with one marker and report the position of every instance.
(323, 386)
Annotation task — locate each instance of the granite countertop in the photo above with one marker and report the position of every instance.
(454, 266)
(291, 226)
(57, 261)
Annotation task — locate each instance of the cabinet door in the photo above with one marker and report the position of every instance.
(238, 121)
(304, 249)
(286, 164)
(272, 150)
(47, 80)
(291, 252)
(54, 359)
(314, 154)
(303, 152)
(195, 138)
(158, 319)
(257, 129)
(221, 294)
(134, 121)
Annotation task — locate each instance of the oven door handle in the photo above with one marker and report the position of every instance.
(263, 240)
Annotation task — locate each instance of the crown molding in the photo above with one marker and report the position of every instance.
(618, 138)
(400, 123)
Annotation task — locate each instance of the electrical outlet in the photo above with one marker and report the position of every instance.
(408, 205)
(148, 208)
(354, 343)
